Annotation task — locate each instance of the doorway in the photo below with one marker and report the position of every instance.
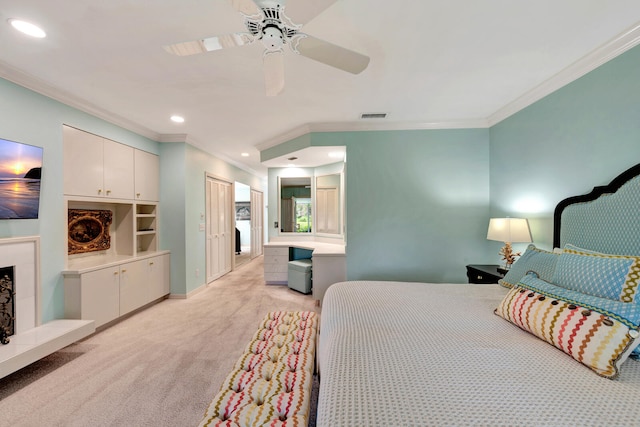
(244, 217)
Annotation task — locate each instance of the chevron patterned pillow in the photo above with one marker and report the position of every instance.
(597, 332)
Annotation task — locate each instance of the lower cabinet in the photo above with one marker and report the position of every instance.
(276, 264)
(105, 294)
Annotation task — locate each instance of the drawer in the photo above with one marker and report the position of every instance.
(278, 259)
(276, 251)
(276, 268)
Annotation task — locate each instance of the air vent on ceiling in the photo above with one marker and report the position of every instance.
(373, 115)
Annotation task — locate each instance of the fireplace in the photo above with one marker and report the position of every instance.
(31, 340)
(7, 304)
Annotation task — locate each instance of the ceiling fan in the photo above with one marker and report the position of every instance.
(266, 21)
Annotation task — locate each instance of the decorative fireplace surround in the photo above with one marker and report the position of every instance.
(32, 339)
(23, 255)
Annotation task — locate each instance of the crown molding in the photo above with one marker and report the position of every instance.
(606, 52)
(284, 137)
(37, 85)
(194, 142)
(173, 137)
(363, 126)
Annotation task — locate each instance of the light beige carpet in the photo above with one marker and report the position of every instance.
(160, 367)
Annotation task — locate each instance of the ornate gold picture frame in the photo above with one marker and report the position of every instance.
(89, 230)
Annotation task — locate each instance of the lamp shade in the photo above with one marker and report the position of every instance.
(512, 230)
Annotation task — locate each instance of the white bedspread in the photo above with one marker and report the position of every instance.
(409, 354)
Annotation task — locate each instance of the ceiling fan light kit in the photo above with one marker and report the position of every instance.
(266, 21)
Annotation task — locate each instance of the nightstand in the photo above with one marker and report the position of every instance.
(483, 274)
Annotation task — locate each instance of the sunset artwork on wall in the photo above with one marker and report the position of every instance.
(20, 173)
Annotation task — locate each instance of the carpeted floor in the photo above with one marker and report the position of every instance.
(160, 367)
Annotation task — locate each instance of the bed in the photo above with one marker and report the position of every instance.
(403, 354)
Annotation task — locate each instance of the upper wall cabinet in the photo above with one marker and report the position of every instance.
(147, 176)
(98, 167)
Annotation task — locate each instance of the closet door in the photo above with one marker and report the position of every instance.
(218, 228)
(225, 241)
(257, 236)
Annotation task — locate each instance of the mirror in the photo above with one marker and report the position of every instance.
(328, 202)
(296, 211)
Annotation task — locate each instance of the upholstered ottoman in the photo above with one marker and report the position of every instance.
(299, 275)
(271, 382)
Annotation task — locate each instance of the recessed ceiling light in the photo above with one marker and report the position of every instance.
(177, 119)
(245, 154)
(27, 28)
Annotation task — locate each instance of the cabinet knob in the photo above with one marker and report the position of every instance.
(115, 273)
(151, 263)
(108, 192)
(99, 191)
(138, 195)
(479, 277)
(124, 271)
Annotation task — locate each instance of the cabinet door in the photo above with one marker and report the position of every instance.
(118, 170)
(100, 295)
(133, 286)
(83, 163)
(147, 176)
(158, 276)
(327, 210)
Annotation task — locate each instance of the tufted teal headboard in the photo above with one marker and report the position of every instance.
(605, 220)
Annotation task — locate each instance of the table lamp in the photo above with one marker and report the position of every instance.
(509, 230)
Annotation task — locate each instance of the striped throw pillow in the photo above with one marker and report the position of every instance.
(597, 332)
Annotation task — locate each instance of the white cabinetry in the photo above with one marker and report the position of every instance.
(104, 294)
(133, 286)
(327, 270)
(276, 264)
(97, 167)
(157, 273)
(100, 174)
(146, 228)
(147, 176)
(93, 296)
(327, 211)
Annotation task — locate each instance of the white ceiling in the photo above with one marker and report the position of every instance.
(434, 63)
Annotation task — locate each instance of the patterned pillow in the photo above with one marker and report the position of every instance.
(597, 332)
(539, 261)
(602, 275)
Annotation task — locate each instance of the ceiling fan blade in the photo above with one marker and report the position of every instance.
(246, 7)
(330, 54)
(209, 44)
(303, 11)
(273, 72)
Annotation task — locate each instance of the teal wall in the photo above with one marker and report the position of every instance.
(37, 120)
(578, 137)
(417, 202)
(184, 173)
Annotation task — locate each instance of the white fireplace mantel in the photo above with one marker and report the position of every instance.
(32, 339)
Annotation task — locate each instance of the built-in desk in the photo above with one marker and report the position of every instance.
(329, 263)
